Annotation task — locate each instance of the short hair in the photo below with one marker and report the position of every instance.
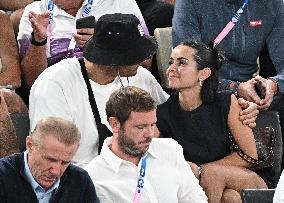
(64, 131)
(127, 99)
(211, 57)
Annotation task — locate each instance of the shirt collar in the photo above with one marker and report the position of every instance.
(32, 181)
(151, 152)
(114, 161)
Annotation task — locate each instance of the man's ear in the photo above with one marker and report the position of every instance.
(29, 143)
(114, 124)
(204, 73)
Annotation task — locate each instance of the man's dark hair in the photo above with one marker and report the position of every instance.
(127, 99)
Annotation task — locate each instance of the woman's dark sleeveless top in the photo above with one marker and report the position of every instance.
(202, 132)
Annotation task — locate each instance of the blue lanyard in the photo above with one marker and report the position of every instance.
(237, 15)
(50, 7)
(231, 24)
(87, 8)
(140, 183)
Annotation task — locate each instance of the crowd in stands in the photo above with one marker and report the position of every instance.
(102, 129)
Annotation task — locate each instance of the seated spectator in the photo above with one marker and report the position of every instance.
(10, 73)
(8, 139)
(164, 174)
(57, 26)
(279, 191)
(110, 62)
(43, 173)
(200, 119)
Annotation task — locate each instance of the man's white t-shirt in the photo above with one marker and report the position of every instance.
(61, 91)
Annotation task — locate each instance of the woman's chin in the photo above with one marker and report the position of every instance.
(173, 85)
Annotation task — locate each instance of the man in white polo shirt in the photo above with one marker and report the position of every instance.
(135, 167)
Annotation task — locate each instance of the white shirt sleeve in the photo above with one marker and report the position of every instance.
(157, 92)
(190, 190)
(279, 191)
(149, 83)
(47, 98)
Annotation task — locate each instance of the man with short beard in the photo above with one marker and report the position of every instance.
(43, 173)
(134, 166)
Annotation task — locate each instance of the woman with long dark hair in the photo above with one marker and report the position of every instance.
(200, 118)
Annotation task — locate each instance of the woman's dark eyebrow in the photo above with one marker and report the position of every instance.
(180, 58)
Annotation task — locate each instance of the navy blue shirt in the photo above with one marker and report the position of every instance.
(261, 23)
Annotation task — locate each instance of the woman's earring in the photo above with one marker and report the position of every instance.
(201, 82)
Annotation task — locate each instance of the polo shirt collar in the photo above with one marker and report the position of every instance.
(114, 161)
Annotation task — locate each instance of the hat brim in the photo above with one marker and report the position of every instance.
(142, 49)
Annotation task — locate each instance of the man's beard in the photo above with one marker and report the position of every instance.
(128, 146)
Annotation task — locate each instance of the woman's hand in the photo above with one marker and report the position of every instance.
(249, 112)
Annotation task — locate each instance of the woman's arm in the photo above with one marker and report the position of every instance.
(243, 136)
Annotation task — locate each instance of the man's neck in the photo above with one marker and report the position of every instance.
(100, 74)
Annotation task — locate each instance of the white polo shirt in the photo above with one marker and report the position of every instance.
(168, 177)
